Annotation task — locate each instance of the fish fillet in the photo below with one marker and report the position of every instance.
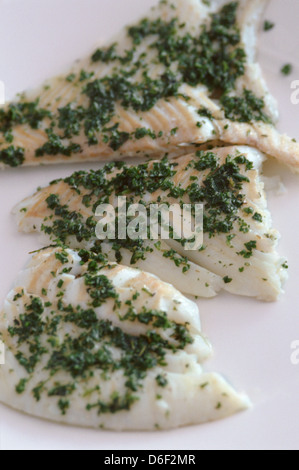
(239, 244)
(106, 346)
(183, 76)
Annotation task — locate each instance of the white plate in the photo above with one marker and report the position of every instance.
(252, 340)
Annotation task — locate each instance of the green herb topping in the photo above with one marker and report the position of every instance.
(287, 69)
(82, 345)
(213, 57)
(220, 191)
(268, 25)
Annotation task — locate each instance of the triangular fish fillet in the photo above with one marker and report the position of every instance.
(183, 76)
(106, 347)
(239, 244)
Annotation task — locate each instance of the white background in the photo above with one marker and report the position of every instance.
(252, 340)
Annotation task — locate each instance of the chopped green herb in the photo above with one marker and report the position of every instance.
(205, 385)
(204, 112)
(12, 156)
(287, 69)
(64, 406)
(21, 387)
(55, 146)
(161, 381)
(258, 217)
(248, 108)
(268, 25)
(70, 78)
(62, 257)
(214, 57)
(248, 253)
(248, 210)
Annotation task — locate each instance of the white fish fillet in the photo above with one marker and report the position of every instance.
(175, 117)
(70, 361)
(241, 259)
